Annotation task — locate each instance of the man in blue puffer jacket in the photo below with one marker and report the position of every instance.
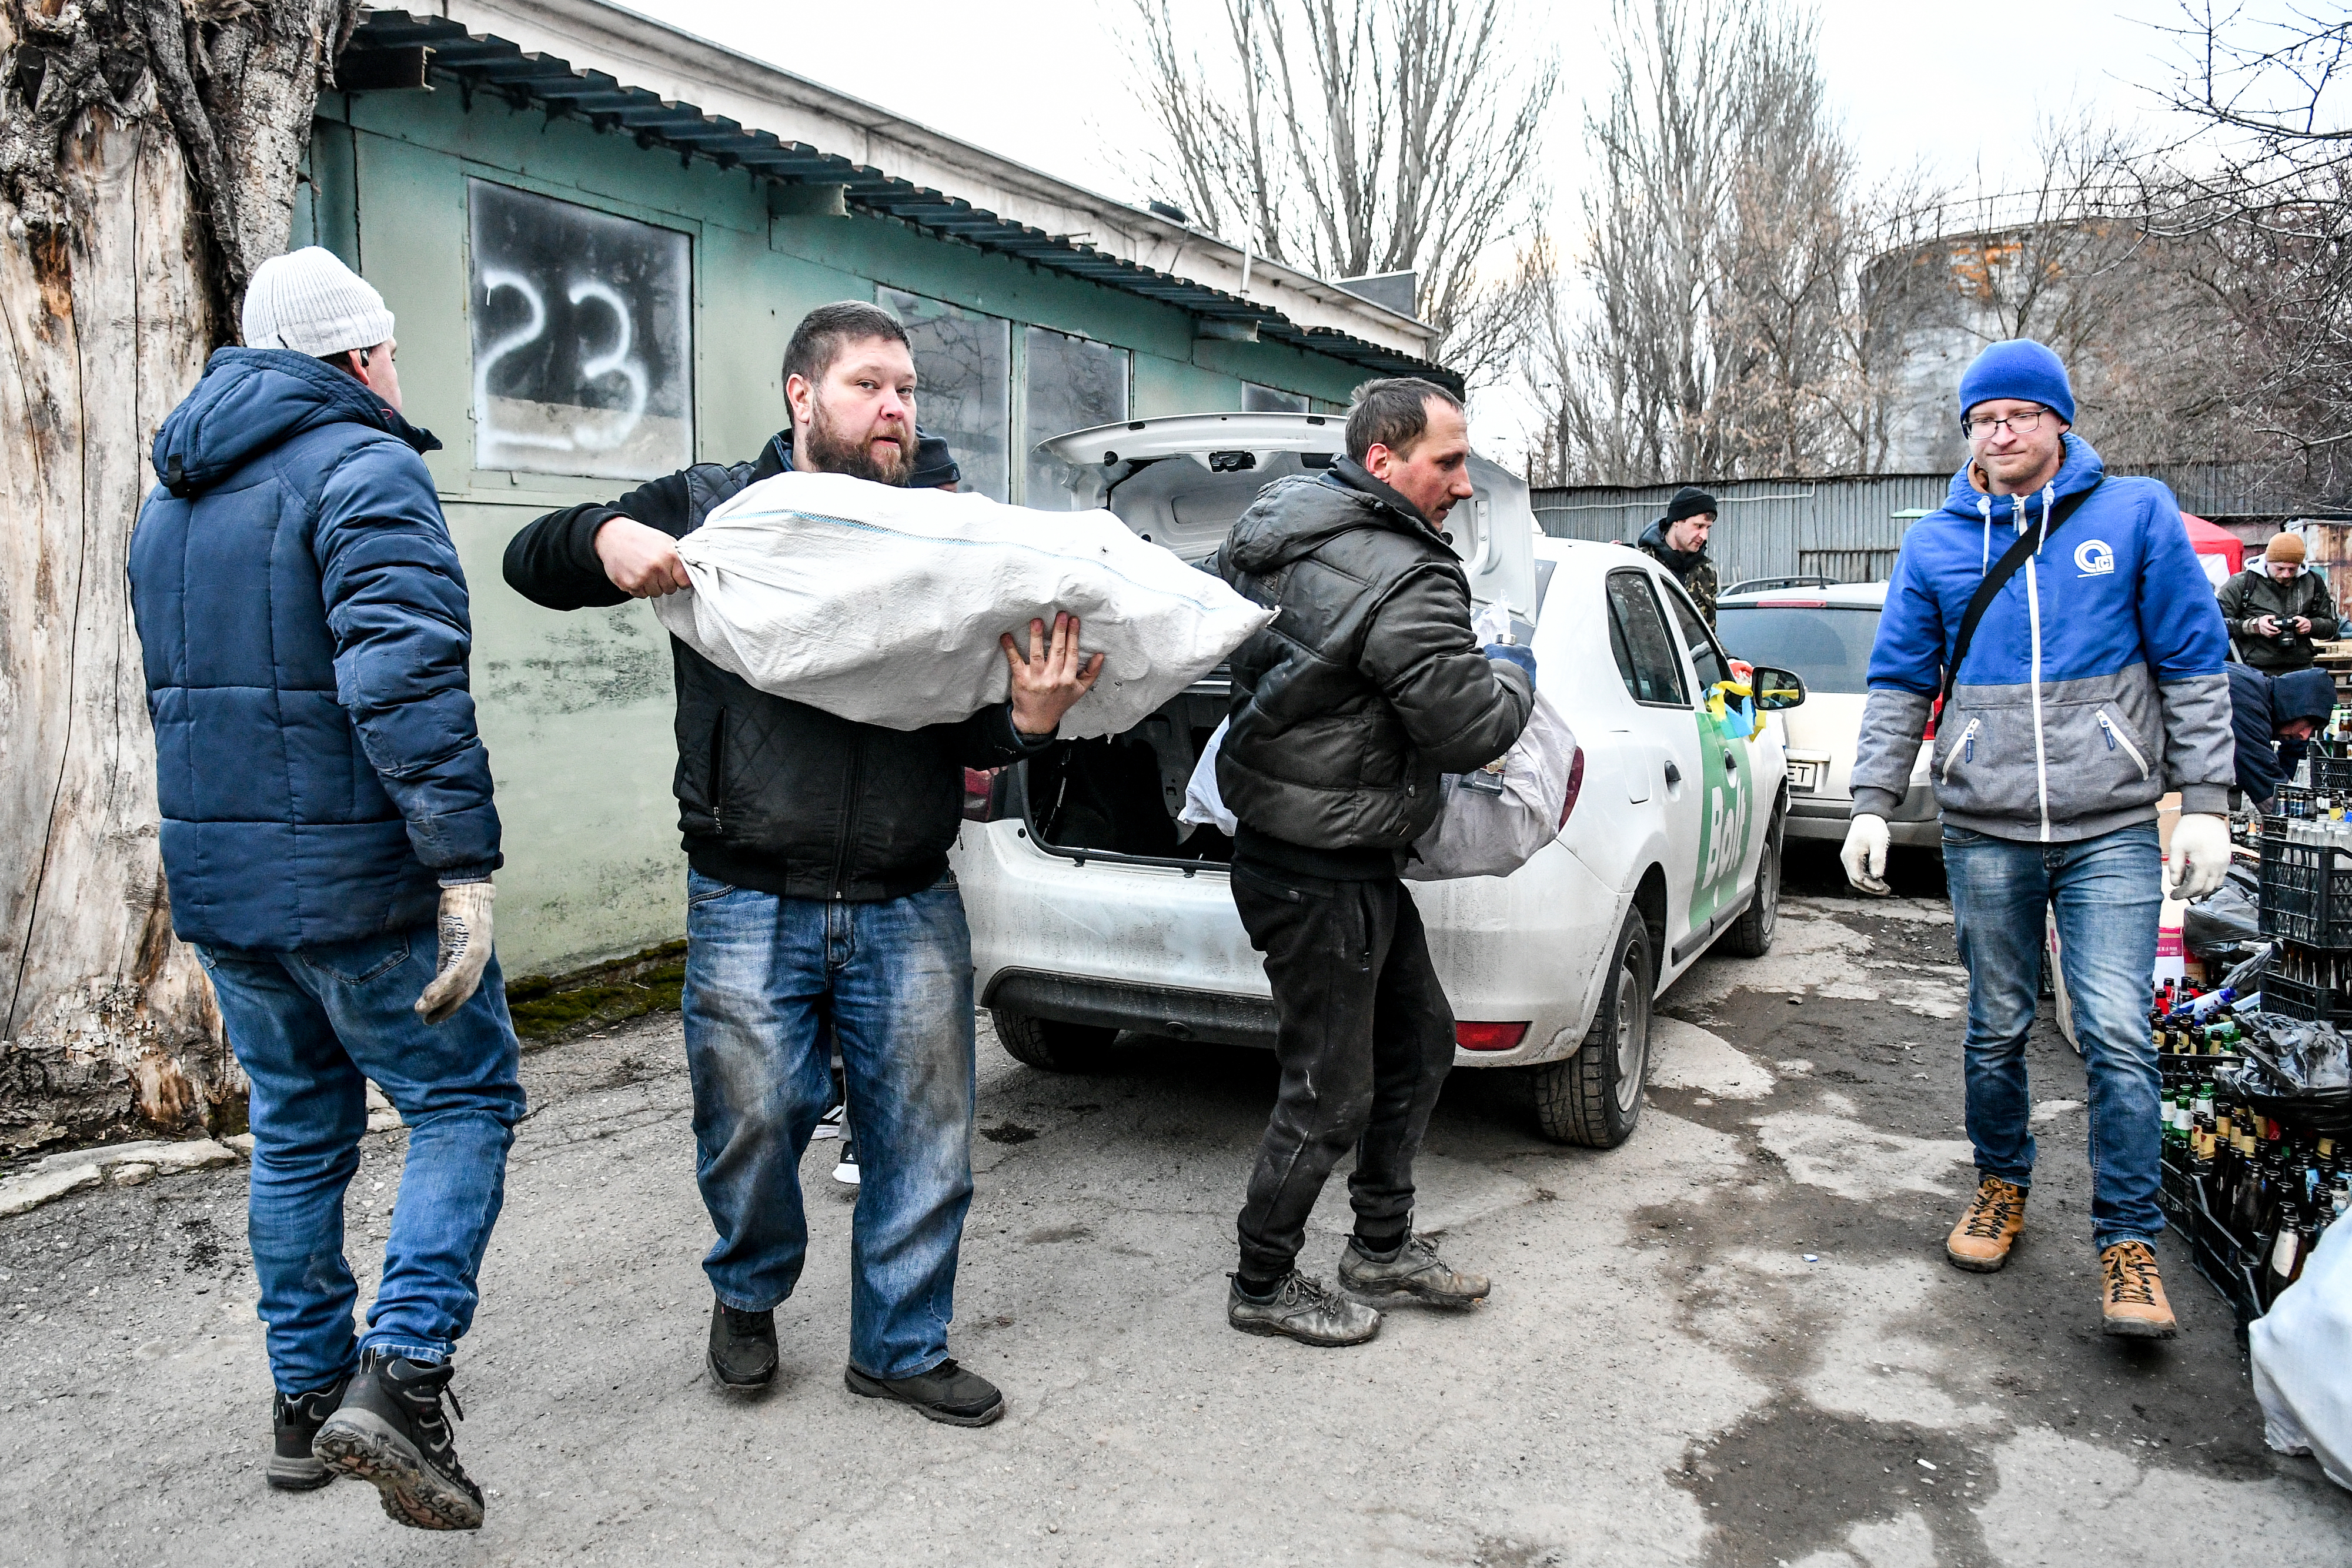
(2094, 685)
(325, 797)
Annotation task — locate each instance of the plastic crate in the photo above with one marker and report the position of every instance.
(2331, 775)
(2306, 893)
(2227, 1262)
(2297, 999)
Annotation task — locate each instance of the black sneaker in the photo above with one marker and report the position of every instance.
(946, 1393)
(390, 1432)
(294, 1420)
(742, 1354)
(845, 1170)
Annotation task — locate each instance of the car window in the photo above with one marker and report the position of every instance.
(1827, 646)
(1698, 642)
(1638, 637)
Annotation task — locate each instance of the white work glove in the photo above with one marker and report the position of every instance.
(1864, 855)
(465, 926)
(2201, 853)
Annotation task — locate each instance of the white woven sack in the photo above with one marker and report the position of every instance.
(1485, 833)
(2303, 1375)
(884, 605)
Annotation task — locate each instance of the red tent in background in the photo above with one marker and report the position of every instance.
(2222, 553)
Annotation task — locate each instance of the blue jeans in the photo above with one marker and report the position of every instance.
(763, 977)
(310, 1028)
(2106, 892)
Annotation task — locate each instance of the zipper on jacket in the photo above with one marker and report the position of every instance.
(717, 772)
(848, 819)
(2115, 735)
(1967, 742)
(2033, 613)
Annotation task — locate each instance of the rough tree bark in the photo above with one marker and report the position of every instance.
(148, 151)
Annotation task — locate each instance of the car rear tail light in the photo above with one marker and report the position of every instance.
(1489, 1035)
(982, 794)
(1575, 786)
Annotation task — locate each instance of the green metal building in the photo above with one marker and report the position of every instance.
(597, 233)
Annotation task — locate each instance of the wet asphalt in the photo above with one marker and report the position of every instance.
(1732, 1341)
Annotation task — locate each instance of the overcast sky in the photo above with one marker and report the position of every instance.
(1958, 87)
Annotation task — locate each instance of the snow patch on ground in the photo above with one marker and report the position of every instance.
(1684, 1056)
(1841, 1154)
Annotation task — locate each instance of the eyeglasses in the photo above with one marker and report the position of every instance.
(2024, 423)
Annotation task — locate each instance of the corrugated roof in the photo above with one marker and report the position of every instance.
(483, 62)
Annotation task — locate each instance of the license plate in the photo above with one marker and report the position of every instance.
(1803, 775)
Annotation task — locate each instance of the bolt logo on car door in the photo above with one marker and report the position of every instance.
(1728, 816)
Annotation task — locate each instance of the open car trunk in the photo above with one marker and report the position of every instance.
(1182, 482)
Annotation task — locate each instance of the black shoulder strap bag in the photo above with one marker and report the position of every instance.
(2011, 560)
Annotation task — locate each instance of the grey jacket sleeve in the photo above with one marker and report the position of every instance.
(1461, 709)
(2200, 749)
(1893, 722)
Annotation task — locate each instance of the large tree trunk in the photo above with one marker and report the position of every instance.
(148, 151)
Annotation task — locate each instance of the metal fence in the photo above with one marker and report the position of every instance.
(1846, 527)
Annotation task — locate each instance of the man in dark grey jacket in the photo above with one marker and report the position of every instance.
(1367, 684)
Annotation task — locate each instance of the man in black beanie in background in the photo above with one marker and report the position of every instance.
(1677, 541)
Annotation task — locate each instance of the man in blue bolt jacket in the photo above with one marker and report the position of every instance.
(2093, 685)
(325, 798)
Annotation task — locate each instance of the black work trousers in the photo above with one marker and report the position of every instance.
(1365, 1037)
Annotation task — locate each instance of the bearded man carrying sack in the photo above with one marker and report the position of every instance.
(1366, 686)
(2063, 618)
(819, 902)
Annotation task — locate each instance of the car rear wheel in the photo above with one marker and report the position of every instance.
(1751, 934)
(1594, 1097)
(1050, 1044)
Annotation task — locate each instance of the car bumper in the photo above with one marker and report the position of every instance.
(1118, 945)
(1917, 824)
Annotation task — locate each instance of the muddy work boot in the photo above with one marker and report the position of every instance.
(2132, 1302)
(294, 1420)
(947, 1393)
(390, 1432)
(1411, 1272)
(1301, 1308)
(742, 1352)
(1995, 1218)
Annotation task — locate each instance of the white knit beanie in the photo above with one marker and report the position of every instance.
(309, 301)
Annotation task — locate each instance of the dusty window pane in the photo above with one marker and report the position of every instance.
(582, 329)
(963, 371)
(1072, 382)
(1256, 399)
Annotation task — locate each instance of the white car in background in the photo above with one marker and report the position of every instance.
(1093, 910)
(1823, 632)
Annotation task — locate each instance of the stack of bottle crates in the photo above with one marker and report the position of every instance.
(2248, 1186)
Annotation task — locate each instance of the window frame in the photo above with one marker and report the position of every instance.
(1620, 639)
(1681, 596)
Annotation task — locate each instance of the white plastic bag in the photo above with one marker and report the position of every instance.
(1492, 825)
(884, 605)
(1479, 830)
(1204, 805)
(2302, 1352)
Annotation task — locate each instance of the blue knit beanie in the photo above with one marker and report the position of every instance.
(2023, 368)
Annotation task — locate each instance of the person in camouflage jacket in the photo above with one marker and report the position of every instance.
(1677, 541)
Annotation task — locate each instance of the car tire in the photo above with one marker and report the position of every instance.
(1594, 1097)
(1751, 935)
(1050, 1045)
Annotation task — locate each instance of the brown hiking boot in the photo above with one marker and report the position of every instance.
(2135, 1304)
(1996, 1216)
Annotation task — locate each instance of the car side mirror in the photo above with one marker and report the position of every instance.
(1776, 689)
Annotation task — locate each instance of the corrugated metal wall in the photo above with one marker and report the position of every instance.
(1845, 528)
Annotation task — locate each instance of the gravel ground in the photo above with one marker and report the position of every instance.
(1731, 1342)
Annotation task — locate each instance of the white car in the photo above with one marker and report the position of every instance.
(1823, 631)
(1093, 910)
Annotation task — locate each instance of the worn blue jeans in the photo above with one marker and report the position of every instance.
(764, 975)
(310, 1028)
(2107, 893)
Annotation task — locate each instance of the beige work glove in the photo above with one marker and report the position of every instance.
(2200, 854)
(1864, 855)
(465, 926)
